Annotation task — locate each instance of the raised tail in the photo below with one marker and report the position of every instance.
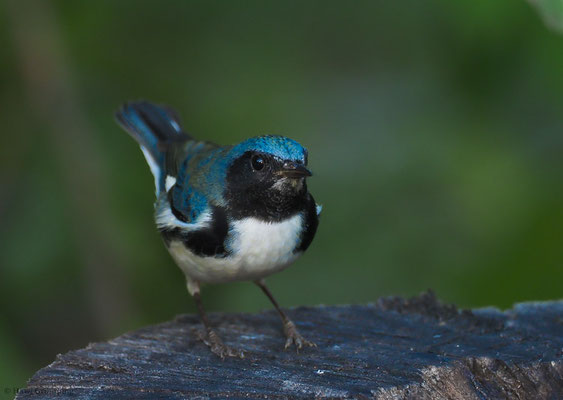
(157, 129)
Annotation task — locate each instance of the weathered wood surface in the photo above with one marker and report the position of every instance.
(393, 349)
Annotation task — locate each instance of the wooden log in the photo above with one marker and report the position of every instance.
(393, 349)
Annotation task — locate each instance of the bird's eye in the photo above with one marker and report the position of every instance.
(257, 162)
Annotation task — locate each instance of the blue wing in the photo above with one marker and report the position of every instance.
(187, 174)
(158, 131)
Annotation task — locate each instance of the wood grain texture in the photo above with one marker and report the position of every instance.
(393, 349)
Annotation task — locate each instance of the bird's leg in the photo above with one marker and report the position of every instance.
(211, 338)
(291, 333)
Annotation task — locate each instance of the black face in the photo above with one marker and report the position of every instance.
(262, 186)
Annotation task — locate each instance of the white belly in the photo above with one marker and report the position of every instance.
(257, 249)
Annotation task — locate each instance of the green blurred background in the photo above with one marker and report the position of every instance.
(435, 132)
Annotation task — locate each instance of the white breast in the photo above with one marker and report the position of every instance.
(257, 249)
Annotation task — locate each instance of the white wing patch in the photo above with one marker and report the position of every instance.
(319, 209)
(170, 181)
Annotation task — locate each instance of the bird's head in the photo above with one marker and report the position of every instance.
(266, 177)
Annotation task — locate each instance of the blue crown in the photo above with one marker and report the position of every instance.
(278, 146)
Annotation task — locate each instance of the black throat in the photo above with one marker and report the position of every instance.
(249, 194)
(270, 206)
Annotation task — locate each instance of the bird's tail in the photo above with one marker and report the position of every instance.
(157, 129)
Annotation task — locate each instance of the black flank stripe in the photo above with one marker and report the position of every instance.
(311, 224)
(210, 241)
(206, 242)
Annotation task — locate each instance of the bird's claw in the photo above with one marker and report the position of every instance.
(294, 337)
(217, 347)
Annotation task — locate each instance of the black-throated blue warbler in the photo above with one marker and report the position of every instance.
(226, 213)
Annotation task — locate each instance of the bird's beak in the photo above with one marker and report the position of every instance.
(291, 169)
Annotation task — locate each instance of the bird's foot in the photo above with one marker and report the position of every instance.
(217, 347)
(294, 337)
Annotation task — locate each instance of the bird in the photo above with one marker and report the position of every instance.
(228, 213)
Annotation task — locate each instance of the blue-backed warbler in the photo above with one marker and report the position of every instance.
(226, 213)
